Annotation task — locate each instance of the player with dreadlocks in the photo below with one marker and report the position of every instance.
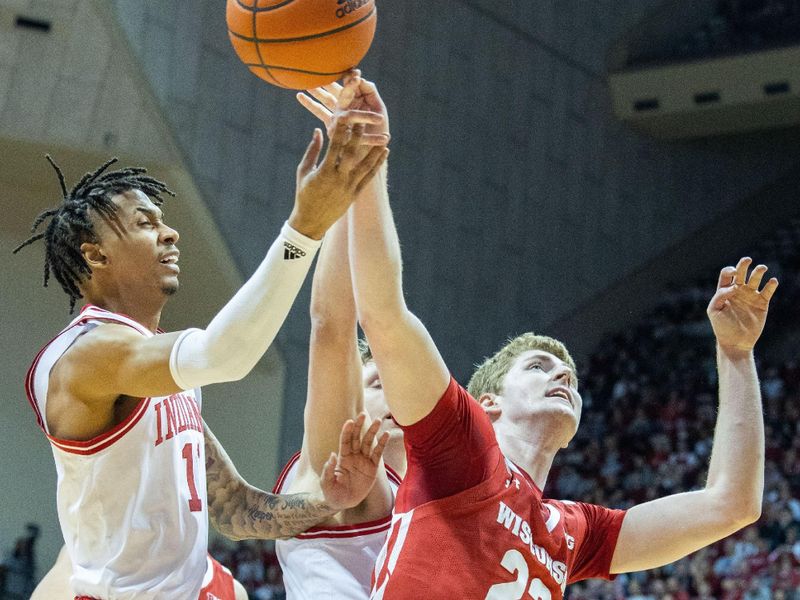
(71, 224)
(120, 401)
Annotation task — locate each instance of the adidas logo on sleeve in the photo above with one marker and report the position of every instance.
(292, 252)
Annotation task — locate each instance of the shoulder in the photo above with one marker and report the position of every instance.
(91, 353)
(101, 339)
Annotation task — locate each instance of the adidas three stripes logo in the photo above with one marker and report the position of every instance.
(291, 252)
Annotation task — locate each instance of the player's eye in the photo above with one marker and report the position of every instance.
(535, 365)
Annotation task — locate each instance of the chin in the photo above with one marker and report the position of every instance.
(170, 289)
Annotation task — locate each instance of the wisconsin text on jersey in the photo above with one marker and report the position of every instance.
(519, 527)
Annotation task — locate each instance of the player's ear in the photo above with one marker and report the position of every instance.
(93, 255)
(491, 405)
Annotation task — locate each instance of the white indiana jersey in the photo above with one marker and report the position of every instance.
(331, 562)
(131, 501)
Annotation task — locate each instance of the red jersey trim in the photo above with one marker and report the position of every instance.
(113, 314)
(394, 476)
(338, 531)
(276, 489)
(107, 438)
(348, 531)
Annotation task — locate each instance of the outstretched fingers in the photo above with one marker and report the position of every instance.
(350, 86)
(726, 276)
(328, 475)
(369, 436)
(769, 289)
(377, 451)
(741, 270)
(754, 282)
(311, 155)
(315, 108)
(355, 439)
(369, 167)
(738, 276)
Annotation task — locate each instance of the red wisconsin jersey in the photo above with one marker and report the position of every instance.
(468, 523)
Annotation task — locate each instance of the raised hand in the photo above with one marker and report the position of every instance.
(347, 478)
(738, 309)
(356, 94)
(325, 191)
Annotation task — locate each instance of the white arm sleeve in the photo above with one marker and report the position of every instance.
(240, 334)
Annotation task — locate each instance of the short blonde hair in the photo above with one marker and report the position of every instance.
(489, 376)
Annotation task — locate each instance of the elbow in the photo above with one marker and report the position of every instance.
(331, 329)
(733, 509)
(377, 319)
(739, 514)
(748, 514)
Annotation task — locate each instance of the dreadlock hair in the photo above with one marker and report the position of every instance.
(71, 224)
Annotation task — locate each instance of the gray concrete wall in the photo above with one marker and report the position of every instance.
(518, 197)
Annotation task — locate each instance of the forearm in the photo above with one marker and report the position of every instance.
(736, 469)
(375, 257)
(242, 331)
(333, 308)
(334, 367)
(240, 511)
(661, 531)
(412, 371)
(250, 513)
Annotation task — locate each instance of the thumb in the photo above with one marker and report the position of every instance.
(311, 155)
(329, 469)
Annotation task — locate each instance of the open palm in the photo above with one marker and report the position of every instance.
(347, 477)
(738, 309)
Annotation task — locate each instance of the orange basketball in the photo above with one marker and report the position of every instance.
(301, 44)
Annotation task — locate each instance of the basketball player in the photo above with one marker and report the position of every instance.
(121, 405)
(469, 519)
(335, 559)
(240, 511)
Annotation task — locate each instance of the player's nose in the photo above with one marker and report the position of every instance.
(563, 374)
(169, 236)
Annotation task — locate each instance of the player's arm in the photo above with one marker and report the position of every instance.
(107, 363)
(241, 511)
(335, 390)
(661, 531)
(413, 373)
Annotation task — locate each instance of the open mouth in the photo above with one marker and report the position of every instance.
(560, 393)
(171, 260)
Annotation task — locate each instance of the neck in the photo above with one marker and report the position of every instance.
(143, 310)
(531, 452)
(395, 456)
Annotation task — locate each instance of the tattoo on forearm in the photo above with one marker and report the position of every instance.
(240, 511)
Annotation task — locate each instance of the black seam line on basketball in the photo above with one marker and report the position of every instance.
(255, 32)
(300, 39)
(267, 72)
(293, 70)
(264, 9)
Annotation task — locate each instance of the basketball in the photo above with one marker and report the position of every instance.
(301, 44)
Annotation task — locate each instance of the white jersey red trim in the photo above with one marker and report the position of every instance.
(131, 501)
(331, 561)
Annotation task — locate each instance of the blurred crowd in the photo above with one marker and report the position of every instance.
(650, 397)
(737, 26)
(254, 564)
